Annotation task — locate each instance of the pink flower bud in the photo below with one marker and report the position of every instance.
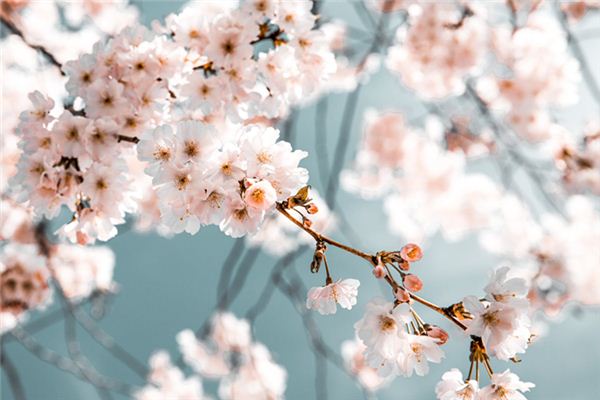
(412, 283)
(312, 208)
(379, 272)
(402, 295)
(404, 265)
(437, 333)
(411, 252)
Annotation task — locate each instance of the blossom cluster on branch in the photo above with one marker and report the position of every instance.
(189, 123)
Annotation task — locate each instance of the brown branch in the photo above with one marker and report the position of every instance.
(47, 54)
(130, 139)
(321, 238)
(372, 259)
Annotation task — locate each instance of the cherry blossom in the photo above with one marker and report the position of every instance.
(454, 387)
(505, 385)
(418, 351)
(83, 270)
(433, 190)
(440, 47)
(230, 333)
(380, 330)
(325, 299)
(245, 368)
(190, 123)
(167, 381)
(353, 353)
(502, 319)
(539, 45)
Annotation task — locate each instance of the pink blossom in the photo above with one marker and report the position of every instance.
(454, 387)
(324, 299)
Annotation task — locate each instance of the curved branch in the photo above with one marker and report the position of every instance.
(372, 259)
(47, 54)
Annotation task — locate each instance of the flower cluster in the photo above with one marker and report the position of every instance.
(168, 382)
(27, 267)
(354, 358)
(441, 47)
(201, 180)
(426, 188)
(81, 270)
(186, 95)
(553, 255)
(542, 75)
(257, 60)
(53, 23)
(245, 368)
(387, 347)
(390, 348)
(58, 153)
(503, 386)
(501, 318)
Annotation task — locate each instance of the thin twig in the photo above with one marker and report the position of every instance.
(348, 117)
(586, 71)
(12, 375)
(228, 265)
(47, 54)
(68, 365)
(372, 259)
(269, 288)
(233, 290)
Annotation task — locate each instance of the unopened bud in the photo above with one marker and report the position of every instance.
(404, 265)
(379, 272)
(402, 295)
(312, 208)
(437, 333)
(412, 283)
(411, 252)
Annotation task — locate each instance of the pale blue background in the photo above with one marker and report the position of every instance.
(169, 285)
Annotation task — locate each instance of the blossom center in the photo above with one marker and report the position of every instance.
(162, 153)
(258, 195)
(386, 323)
(182, 181)
(490, 318)
(228, 46)
(101, 184)
(191, 149)
(263, 157)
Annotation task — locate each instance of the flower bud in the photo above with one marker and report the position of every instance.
(437, 333)
(412, 283)
(404, 265)
(411, 252)
(379, 272)
(402, 295)
(312, 208)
